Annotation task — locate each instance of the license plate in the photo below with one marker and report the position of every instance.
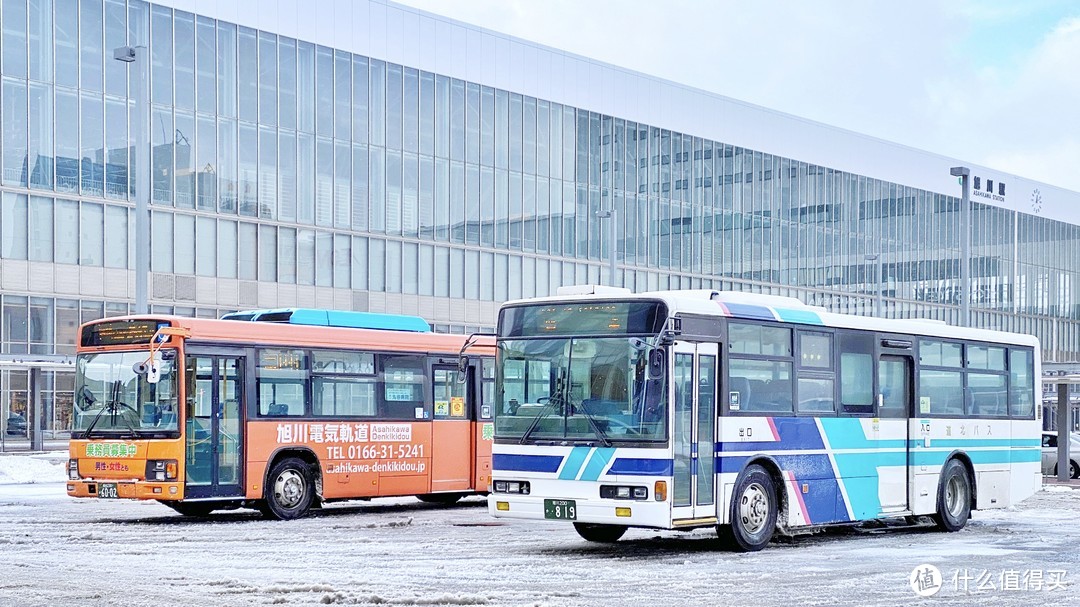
(108, 490)
(564, 510)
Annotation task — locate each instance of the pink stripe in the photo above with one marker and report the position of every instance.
(798, 494)
(724, 309)
(772, 426)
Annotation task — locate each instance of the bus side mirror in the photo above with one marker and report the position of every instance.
(462, 369)
(656, 364)
(87, 396)
(153, 371)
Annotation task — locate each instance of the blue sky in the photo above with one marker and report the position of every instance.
(992, 82)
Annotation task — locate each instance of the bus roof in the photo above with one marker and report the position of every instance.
(226, 332)
(753, 306)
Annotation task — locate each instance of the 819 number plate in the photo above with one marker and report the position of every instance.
(564, 510)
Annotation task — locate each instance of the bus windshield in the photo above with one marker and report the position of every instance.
(111, 399)
(579, 389)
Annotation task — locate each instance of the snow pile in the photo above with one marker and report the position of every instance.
(1057, 488)
(37, 468)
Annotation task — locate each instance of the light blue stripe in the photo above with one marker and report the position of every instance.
(597, 463)
(847, 433)
(997, 456)
(573, 463)
(961, 443)
(804, 317)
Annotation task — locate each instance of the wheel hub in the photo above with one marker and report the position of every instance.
(954, 496)
(289, 488)
(754, 508)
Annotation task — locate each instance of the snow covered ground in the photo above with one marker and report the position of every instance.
(55, 550)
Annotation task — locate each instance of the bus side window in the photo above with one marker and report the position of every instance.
(856, 373)
(403, 388)
(281, 382)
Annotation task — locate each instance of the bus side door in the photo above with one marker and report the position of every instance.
(894, 410)
(451, 430)
(214, 424)
(693, 398)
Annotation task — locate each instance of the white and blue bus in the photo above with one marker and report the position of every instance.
(753, 414)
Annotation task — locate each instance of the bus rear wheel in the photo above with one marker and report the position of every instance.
(604, 534)
(289, 490)
(753, 512)
(954, 497)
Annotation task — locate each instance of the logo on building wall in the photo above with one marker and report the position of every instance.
(988, 188)
(1036, 201)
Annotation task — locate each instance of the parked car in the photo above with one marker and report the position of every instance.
(1050, 454)
(16, 425)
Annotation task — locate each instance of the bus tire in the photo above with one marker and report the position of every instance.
(954, 497)
(604, 534)
(753, 512)
(289, 490)
(197, 509)
(440, 498)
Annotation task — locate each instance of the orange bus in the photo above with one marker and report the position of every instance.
(311, 407)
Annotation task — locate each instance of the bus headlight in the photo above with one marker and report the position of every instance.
(161, 469)
(73, 469)
(623, 492)
(520, 487)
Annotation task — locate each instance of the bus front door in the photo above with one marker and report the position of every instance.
(451, 431)
(214, 406)
(693, 398)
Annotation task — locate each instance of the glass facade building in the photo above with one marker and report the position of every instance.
(364, 155)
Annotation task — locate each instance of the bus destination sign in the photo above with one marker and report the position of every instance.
(121, 332)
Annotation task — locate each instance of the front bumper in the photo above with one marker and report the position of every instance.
(128, 489)
(599, 511)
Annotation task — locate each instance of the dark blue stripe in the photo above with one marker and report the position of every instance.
(799, 433)
(642, 467)
(824, 503)
(525, 463)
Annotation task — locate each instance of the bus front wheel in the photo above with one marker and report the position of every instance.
(954, 497)
(289, 490)
(604, 534)
(753, 512)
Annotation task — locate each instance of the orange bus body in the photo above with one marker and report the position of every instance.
(440, 454)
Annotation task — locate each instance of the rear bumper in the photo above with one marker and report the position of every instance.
(127, 489)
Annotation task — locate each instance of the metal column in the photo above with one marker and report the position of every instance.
(33, 414)
(1063, 423)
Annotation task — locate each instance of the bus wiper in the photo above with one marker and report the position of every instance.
(88, 396)
(555, 398)
(113, 407)
(600, 434)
